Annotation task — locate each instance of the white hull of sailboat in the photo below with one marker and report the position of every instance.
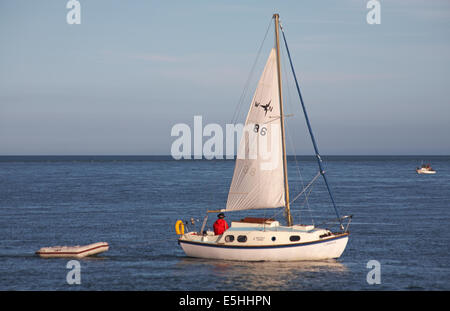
(323, 249)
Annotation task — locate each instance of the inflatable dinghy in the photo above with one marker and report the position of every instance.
(73, 251)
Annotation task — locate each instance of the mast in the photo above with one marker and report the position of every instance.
(286, 185)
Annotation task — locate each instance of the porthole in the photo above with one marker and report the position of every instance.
(229, 238)
(294, 238)
(274, 238)
(242, 238)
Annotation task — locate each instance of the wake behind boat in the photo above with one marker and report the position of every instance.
(260, 181)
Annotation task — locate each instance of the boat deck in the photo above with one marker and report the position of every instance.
(273, 229)
(266, 224)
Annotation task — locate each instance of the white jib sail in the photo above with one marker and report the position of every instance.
(258, 179)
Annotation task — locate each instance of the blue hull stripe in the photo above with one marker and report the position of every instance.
(264, 247)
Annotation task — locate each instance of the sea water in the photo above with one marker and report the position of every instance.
(400, 221)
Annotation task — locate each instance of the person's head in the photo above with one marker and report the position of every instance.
(221, 215)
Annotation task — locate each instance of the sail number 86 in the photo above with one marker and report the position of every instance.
(262, 131)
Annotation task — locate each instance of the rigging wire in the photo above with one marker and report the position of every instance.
(291, 142)
(319, 160)
(239, 105)
(306, 188)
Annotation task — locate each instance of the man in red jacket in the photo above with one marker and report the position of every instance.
(220, 225)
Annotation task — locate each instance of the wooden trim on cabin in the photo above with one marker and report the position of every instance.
(256, 220)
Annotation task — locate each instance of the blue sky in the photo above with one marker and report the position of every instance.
(119, 81)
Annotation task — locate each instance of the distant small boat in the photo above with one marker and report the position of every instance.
(73, 251)
(425, 169)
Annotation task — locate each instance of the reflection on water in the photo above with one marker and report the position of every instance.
(265, 275)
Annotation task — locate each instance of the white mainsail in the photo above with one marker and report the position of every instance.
(258, 179)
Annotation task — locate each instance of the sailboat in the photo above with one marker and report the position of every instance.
(260, 181)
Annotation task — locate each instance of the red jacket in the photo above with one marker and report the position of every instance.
(220, 226)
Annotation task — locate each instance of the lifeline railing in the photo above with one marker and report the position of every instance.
(338, 221)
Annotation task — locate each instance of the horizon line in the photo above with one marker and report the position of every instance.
(224, 158)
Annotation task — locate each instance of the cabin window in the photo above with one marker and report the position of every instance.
(242, 238)
(274, 238)
(294, 238)
(229, 238)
